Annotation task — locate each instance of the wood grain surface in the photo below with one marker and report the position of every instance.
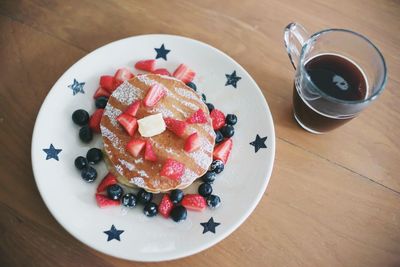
(333, 200)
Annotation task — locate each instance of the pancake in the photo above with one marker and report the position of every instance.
(179, 103)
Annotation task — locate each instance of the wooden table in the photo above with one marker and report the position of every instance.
(333, 200)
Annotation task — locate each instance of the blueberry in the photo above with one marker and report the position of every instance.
(94, 155)
(205, 189)
(209, 177)
(114, 192)
(150, 209)
(192, 85)
(217, 166)
(85, 134)
(218, 137)
(210, 106)
(213, 201)
(176, 196)
(80, 117)
(89, 174)
(231, 119)
(101, 102)
(81, 163)
(204, 98)
(129, 200)
(178, 213)
(144, 196)
(228, 131)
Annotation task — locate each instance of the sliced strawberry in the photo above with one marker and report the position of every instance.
(155, 93)
(109, 179)
(165, 206)
(146, 65)
(178, 127)
(194, 202)
(107, 82)
(149, 152)
(128, 122)
(135, 146)
(197, 117)
(122, 75)
(94, 121)
(116, 84)
(162, 72)
(184, 74)
(172, 169)
(133, 108)
(101, 92)
(218, 119)
(192, 142)
(103, 201)
(223, 150)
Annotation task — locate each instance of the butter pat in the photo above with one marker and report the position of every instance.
(151, 125)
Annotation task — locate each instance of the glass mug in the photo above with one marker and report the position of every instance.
(338, 74)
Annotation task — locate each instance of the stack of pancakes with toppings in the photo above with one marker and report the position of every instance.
(157, 134)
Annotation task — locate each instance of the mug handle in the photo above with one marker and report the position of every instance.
(294, 37)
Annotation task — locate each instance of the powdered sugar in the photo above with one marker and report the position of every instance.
(119, 169)
(140, 160)
(186, 93)
(155, 183)
(144, 79)
(185, 114)
(188, 176)
(170, 151)
(111, 136)
(127, 93)
(209, 129)
(183, 102)
(167, 149)
(143, 173)
(129, 165)
(205, 126)
(137, 181)
(200, 156)
(112, 113)
(163, 110)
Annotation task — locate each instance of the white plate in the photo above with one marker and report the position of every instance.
(72, 201)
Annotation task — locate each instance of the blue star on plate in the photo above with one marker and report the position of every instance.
(52, 152)
(77, 87)
(162, 52)
(259, 143)
(232, 79)
(113, 233)
(209, 226)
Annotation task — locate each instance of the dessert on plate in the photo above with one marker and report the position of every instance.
(178, 115)
(159, 135)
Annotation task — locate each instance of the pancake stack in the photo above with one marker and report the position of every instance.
(179, 103)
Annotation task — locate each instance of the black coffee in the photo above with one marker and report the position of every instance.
(336, 77)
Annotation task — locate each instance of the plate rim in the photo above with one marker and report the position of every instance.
(209, 243)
